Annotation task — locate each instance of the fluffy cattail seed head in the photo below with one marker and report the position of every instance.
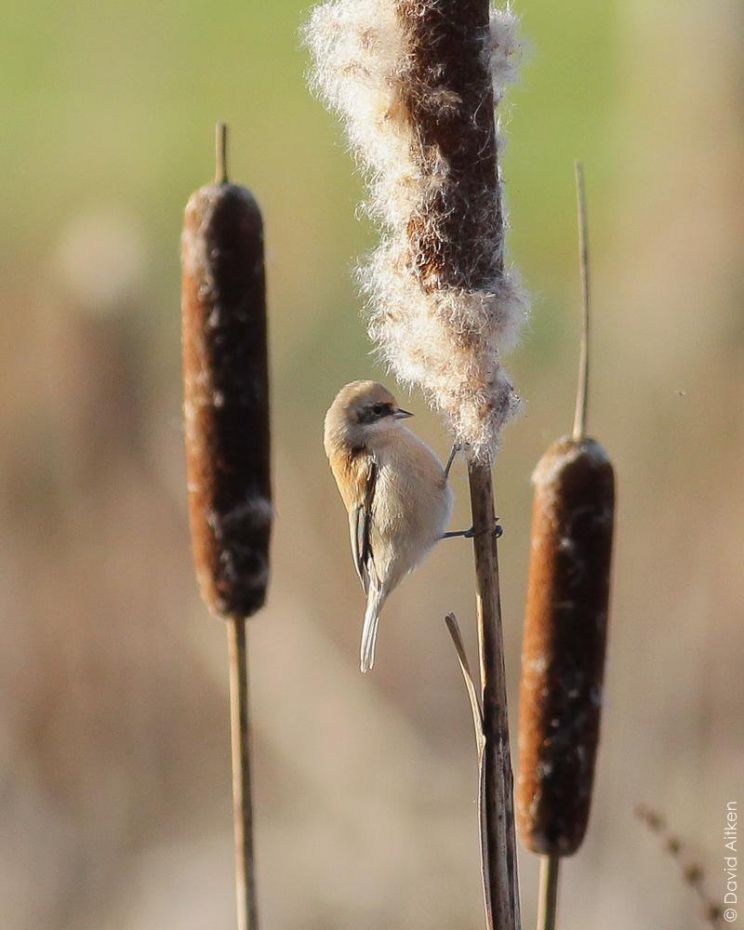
(226, 405)
(416, 82)
(564, 644)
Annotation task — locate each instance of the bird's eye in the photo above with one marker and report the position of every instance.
(378, 409)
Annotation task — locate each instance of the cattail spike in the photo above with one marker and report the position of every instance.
(564, 643)
(227, 397)
(582, 391)
(417, 81)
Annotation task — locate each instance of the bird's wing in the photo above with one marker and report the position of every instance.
(360, 522)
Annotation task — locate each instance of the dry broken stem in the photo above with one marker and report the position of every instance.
(480, 745)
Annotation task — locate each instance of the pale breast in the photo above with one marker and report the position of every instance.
(411, 506)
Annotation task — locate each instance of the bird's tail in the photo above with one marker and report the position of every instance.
(375, 600)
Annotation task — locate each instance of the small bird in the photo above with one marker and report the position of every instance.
(394, 488)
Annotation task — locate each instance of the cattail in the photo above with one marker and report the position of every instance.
(226, 396)
(227, 448)
(417, 82)
(565, 633)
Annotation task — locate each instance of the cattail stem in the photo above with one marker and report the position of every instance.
(582, 391)
(547, 902)
(498, 818)
(245, 881)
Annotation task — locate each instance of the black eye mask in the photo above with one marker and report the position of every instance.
(375, 412)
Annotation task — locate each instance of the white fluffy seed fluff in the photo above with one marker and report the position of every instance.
(448, 341)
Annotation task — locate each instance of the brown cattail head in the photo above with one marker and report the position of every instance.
(564, 643)
(227, 397)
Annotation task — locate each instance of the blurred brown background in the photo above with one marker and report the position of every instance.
(115, 793)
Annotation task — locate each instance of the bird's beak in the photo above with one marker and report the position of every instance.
(401, 414)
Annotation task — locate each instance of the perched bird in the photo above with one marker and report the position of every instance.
(394, 488)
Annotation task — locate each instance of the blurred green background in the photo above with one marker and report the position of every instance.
(113, 704)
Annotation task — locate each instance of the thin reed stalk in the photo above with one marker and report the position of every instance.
(245, 879)
(547, 895)
(582, 391)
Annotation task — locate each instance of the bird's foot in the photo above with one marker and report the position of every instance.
(497, 531)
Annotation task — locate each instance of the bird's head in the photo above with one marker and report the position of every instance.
(363, 415)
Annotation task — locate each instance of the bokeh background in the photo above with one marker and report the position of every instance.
(115, 792)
